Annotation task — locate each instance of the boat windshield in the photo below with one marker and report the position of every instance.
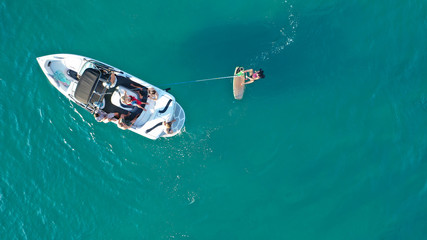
(102, 66)
(96, 65)
(88, 64)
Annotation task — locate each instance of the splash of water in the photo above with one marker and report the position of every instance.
(287, 35)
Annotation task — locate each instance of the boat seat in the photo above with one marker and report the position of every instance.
(72, 74)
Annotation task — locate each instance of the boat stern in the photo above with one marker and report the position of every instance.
(179, 117)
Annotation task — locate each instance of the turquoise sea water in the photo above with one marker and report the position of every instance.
(331, 145)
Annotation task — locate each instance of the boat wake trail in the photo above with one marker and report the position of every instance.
(287, 30)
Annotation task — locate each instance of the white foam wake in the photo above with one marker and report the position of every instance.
(287, 33)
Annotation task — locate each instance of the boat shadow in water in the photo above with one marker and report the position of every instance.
(218, 50)
(221, 49)
(315, 50)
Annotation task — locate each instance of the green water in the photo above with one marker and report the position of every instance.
(331, 145)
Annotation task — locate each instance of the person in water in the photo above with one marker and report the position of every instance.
(132, 101)
(125, 124)
(168, 126)
(253, 76)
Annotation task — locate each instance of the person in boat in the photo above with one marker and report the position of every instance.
(101, 116)
(152, 94)
(132, 101)
(168, 126)
(124, 123)
(253, 76)
(139, 90)
(112, 79)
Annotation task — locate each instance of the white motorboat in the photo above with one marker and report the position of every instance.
(89, 84)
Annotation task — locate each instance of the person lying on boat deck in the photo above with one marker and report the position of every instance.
(124, 124)
(253, 76)
(101, 116)
(168, 126)
(132, 101)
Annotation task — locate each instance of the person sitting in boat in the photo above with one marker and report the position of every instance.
(139, 90)
(112, 79)
(132, 101)
(152, 94)
(168, 126)
(253, 76)
(124, 123)
(101, 116)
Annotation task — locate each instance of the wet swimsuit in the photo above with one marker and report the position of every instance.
(255, 75)
(240, 74)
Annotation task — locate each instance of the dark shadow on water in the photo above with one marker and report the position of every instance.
(220, 49)
(316, 50)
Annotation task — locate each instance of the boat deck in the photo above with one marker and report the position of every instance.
(125, 82)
